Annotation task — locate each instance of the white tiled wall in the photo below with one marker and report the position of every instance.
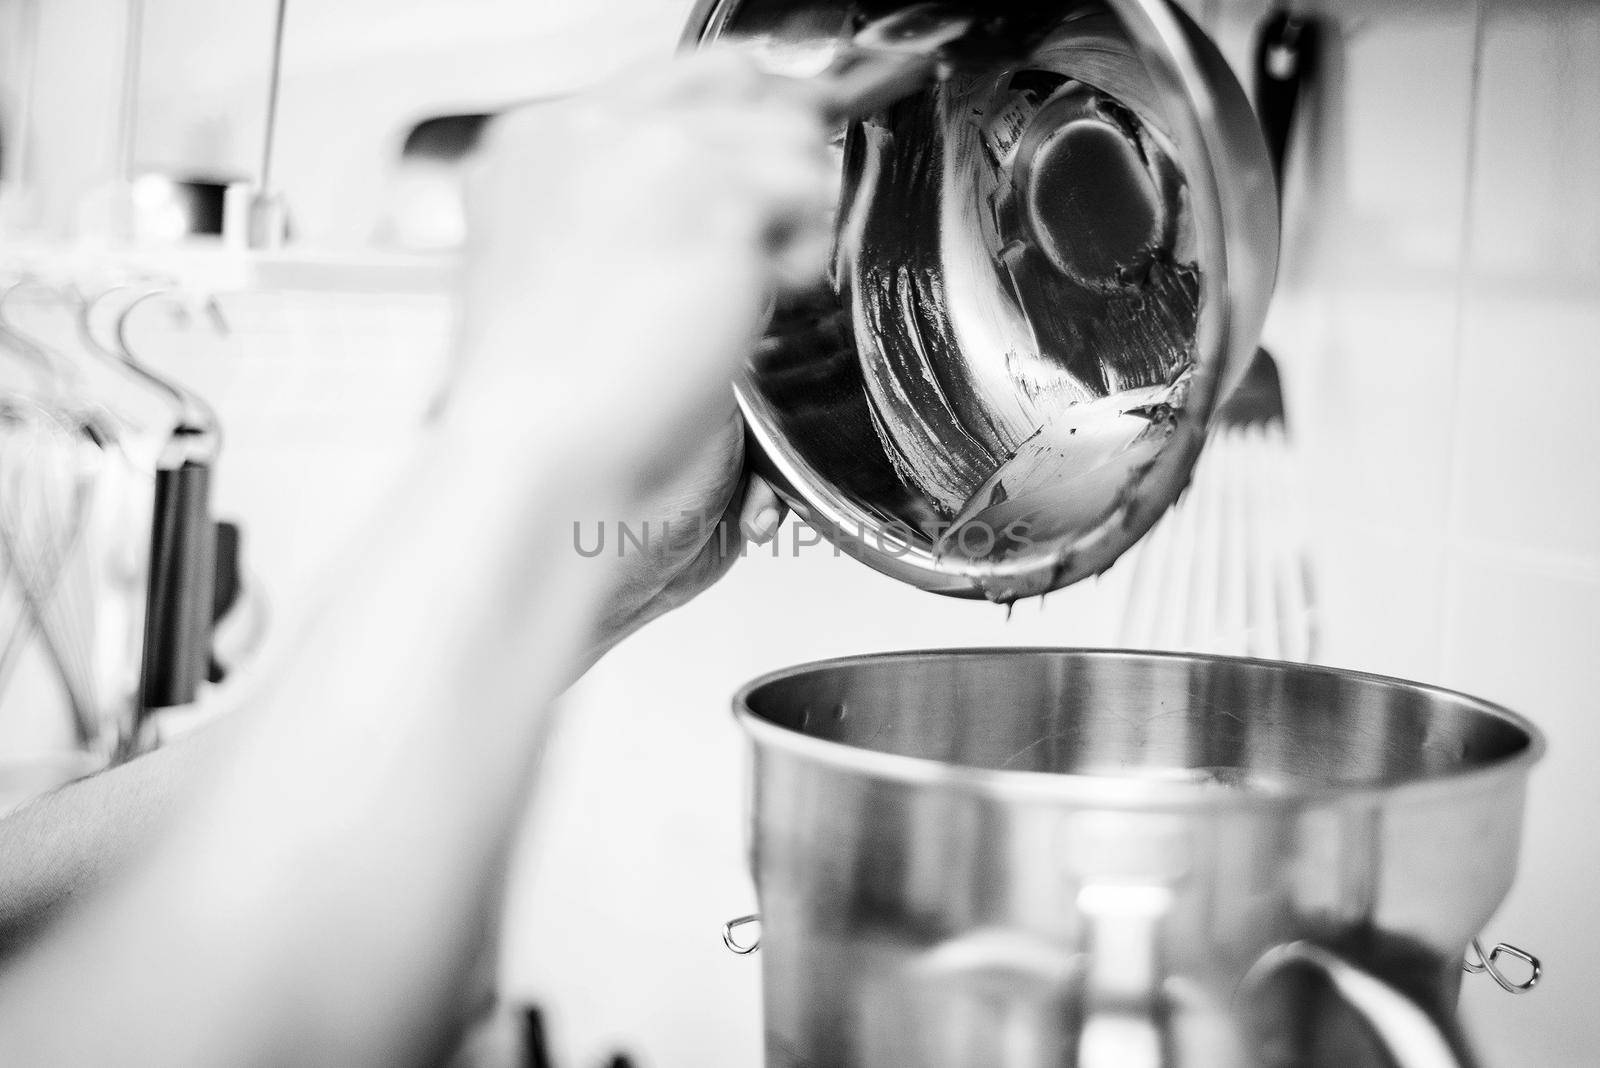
(1445, 335)
(1437, 331)
(1521, 611)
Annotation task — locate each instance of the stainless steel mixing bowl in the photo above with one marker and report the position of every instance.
(1106, 859)
(1048, 271)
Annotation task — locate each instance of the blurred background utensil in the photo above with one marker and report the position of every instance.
(47, 470)
(1229, 569)
(179, 604)
(106, 526)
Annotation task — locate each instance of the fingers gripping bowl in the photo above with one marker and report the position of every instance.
(1048, 270)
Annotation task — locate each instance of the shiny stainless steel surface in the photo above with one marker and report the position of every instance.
(1487, 962)
(1058, 857)
(1048, 272)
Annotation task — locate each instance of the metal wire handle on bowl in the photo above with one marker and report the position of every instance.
(730, 935)
(1488, 963)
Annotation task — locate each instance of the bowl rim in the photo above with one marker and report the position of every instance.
(1128, 793)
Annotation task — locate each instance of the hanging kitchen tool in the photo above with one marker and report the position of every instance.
(1051, 264)
(59, 449)
(43, 376)
(235, 616)
(47, 470)
(179, 604)
(180, 568)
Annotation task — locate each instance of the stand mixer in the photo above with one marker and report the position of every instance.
(1049, 271)
(1105, 859)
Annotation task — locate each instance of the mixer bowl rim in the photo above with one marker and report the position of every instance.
(1127, 793)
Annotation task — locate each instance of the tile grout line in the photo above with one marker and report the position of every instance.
(1449, 599)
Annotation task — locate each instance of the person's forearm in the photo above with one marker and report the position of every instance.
(66, 843)
(330, 895)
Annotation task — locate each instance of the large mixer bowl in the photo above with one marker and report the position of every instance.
(1048, 272)
(1039, 858)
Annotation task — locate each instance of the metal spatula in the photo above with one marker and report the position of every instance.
(894, 56)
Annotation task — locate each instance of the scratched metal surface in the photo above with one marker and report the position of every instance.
(1019, 347)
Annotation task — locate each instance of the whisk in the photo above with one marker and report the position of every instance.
(48, 461)
(1228, 569)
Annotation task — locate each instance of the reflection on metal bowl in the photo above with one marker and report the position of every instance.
(1047, 272)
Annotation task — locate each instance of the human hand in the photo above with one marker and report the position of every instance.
(624, 248)
(621, 263)
(689, 531)
(623, 253)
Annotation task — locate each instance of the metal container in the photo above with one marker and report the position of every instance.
(1117, 860)
(1049, 270)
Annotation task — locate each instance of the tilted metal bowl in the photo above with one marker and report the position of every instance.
(1047, 274)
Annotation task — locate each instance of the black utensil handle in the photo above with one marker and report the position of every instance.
(1286, 57)
(228, 584)
(536, 1054)
(227, 588)
(179, 605)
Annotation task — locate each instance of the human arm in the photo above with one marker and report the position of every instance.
(72, 839)
(69, 841)
(65, 843)
(327, 891)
